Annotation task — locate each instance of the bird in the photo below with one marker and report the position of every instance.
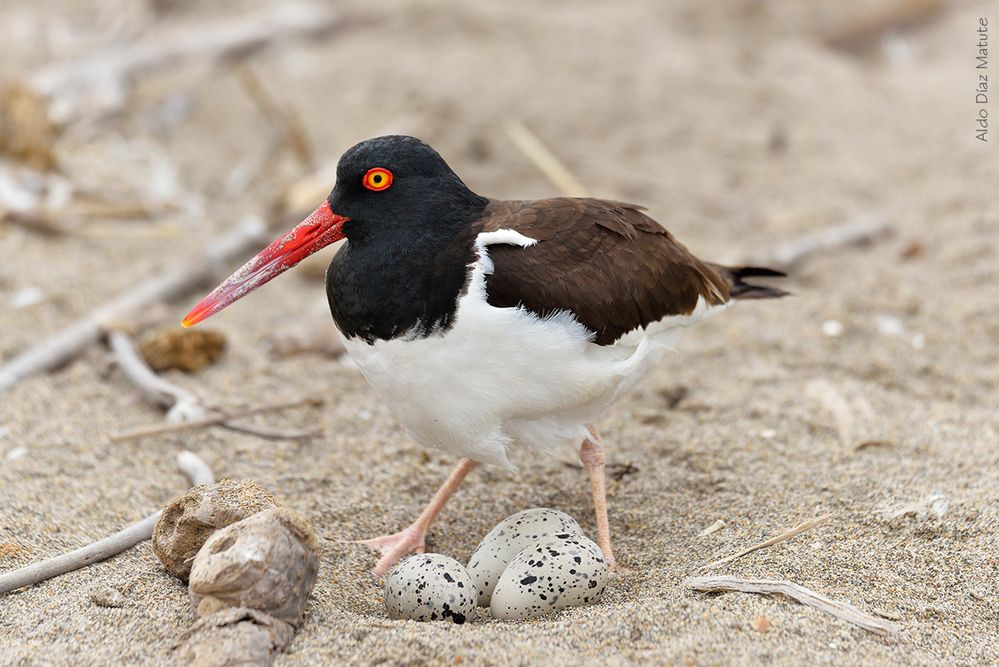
(491, 327)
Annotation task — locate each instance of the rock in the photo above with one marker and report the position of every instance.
(188, 521)
(106, 596)
(184, 349)
(235, 636)
(267, 562)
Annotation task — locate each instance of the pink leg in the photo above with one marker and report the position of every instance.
(412, 539)
(591, 453)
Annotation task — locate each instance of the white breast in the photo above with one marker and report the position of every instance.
(503, 376)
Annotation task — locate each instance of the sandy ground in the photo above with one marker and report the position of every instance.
(739, 129)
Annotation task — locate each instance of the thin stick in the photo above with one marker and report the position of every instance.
(213, 420)
(273, 433)
(795, 251)
(182, 405)
(546, 161)
(196, 471)
(841, 610)
(797, 530)
(67, 344)
(100, 83)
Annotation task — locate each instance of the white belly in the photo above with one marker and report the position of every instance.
(503, 377)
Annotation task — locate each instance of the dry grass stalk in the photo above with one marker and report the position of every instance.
(280, 116)
(196, 471)
(809, 598)
(545, 160)
(797, 530)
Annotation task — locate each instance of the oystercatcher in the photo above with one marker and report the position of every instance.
(488, 325)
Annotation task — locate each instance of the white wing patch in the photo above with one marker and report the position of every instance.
(505, 236)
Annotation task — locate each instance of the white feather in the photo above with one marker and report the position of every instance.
(503, 376)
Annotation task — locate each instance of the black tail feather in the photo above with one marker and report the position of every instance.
(739, 289)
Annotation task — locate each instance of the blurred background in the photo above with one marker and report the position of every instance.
(135, 134)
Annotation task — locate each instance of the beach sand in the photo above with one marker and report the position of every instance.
(739, 129)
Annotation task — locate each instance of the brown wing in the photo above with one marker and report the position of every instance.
(612, 266)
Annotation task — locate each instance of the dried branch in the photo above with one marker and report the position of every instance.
(841, 610)
(182, 405)
(797, 530)
(100, 84)
(546, 161)
(793, 252)
(222, 418)
(64, 346)
(196, 471)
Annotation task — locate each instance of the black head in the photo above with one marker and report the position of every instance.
(409, 220)
(398, 184)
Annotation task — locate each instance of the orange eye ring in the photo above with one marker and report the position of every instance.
(377, 179)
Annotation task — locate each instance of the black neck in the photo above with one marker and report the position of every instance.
(403, 276)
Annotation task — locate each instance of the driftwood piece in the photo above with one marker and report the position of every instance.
(777, 539)
(188, 521)
(100, 84)
(268, 561)
(65, 345)
(855, 232)
(195, 469)
(841, 610)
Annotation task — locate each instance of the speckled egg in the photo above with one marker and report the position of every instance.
(550, 575)
(505, 541)
(429, 587)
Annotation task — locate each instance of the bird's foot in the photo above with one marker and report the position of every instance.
(407, 541)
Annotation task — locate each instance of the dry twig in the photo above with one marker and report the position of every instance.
(842, 610)
(224, 417)
(793, 252)
(196, 471)
(64, 346)
(100, 84)
(547, 162)
(797, 530)
(182, 405)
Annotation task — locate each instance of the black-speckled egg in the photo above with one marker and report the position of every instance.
(550, 575)
(505, 541)
(429, 587)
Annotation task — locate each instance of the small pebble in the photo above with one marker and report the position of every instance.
(832, 328)
(429, 587)
(106, 596)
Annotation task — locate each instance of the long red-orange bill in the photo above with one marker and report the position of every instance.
(317, 231)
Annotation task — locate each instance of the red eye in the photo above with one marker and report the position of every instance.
(377, 179)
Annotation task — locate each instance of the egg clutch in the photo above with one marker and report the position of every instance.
(533, 563)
